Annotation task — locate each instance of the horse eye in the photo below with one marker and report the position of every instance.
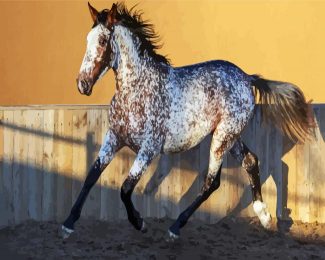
(102, 42)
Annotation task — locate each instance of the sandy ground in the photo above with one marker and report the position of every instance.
(228, 239)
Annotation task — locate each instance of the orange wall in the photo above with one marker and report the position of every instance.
(43, 42)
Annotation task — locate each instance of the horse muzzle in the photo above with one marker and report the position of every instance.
(84, 86)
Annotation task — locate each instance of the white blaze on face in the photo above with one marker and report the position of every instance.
(92, 53)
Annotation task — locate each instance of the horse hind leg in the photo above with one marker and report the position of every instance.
(222, 141)
(249, 162)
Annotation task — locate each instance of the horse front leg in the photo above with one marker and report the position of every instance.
(107, 151)
(141, 163)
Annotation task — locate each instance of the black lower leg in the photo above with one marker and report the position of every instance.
(126, 193)
(91, 179)
(209, 186)
(255, 183)
(250, 163)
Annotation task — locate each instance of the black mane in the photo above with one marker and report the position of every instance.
(132, 19)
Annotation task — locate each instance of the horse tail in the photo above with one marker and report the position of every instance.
(285, 105)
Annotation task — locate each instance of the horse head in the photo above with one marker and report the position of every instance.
(97, 59)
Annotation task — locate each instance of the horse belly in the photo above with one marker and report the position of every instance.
(182, 136)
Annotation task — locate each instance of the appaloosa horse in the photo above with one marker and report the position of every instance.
(158, 108)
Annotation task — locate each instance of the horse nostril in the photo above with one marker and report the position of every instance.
(84, 84)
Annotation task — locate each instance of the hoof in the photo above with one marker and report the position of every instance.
(171, 237)
(262, 213)
(144, 228)
(65, 232)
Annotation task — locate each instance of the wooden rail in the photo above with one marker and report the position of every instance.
(45, 152)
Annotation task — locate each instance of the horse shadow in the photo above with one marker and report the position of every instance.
(279, 173)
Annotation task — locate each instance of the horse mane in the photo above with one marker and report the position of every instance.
(143, 29)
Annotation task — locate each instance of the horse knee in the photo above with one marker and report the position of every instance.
(250, 162)
(211, 184)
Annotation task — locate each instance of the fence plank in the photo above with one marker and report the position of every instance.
(302, 198)
(315, 171)
(64, 166)
(49, 165)
(35, 163)
(19, 177)
(321, 173)
(8, 145)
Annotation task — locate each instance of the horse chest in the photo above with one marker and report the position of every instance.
(134, 121)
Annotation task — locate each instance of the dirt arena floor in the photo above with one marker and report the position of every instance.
(228, 239)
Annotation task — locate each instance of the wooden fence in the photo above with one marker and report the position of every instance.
(45, 152)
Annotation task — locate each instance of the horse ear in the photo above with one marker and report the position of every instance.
(93, 12)
(111, 18)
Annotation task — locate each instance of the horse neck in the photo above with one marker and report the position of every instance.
(132, 66)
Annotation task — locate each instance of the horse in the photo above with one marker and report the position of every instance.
(161, 109)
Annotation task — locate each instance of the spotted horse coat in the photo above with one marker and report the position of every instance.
(158, 108)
